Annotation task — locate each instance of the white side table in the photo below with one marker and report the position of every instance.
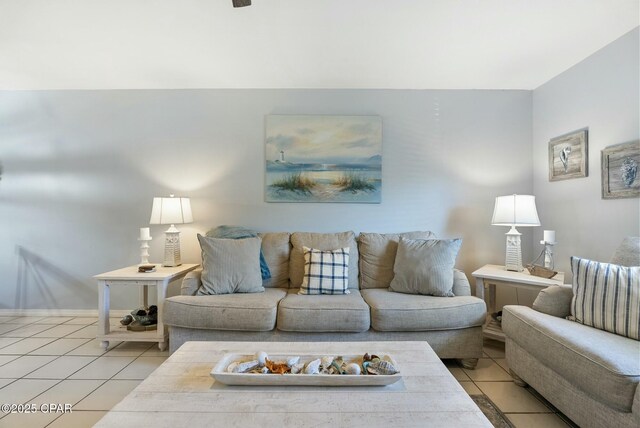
(493, 276)
(130, 277)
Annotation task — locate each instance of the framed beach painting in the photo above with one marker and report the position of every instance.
(568, 155)
(323, 158)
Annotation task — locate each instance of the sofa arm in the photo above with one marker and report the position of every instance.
(554, 300)
(461, 285)
(191, 282)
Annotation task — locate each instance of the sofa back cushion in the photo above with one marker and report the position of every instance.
(606, 296)
(321, 241)
(378, 255)
(276, 249)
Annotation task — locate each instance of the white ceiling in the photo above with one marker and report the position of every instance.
(415, 44)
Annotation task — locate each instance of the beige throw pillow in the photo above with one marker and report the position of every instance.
(425, 266)
(230, 266)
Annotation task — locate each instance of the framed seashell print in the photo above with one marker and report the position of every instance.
(621, 171)
(568, 155)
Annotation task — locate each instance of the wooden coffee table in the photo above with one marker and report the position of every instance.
(182, 393)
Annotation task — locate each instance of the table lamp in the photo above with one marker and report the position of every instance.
(171, 211)
(515, 210)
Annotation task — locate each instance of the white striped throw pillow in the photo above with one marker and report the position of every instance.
(606, 296)
(325, 272)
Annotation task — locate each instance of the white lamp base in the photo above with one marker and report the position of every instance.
(172, 247)
(514, 253)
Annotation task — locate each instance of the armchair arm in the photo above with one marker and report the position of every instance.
(635, 408)
(191, 282)
(461, 285)
(555, 300)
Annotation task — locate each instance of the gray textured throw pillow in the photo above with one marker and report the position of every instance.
(230, 266)
(425, 266)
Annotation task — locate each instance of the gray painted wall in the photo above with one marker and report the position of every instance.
(602, 93)
(81, 168)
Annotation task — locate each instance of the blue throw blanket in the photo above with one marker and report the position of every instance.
(237, 232)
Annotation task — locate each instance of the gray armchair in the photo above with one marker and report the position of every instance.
(591, 375)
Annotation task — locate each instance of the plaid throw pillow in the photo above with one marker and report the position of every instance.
(606, 296)
(325, 272)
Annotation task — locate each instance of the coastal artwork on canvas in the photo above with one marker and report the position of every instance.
(323, 159)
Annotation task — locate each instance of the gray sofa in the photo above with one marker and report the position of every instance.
(451, 325)
(591, 375)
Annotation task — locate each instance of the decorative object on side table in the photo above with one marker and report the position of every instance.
(171, 211)
(515, 210)
(568, 155)
(546, 257)
(145, 237)
(147, 268)
(620, 165)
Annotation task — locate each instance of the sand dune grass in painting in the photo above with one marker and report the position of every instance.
(295, 182)
(353, 182)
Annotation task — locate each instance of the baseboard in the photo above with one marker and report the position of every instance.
(60, 313)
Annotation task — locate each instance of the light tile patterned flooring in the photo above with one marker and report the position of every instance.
(58, 360)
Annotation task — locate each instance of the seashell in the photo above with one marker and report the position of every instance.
(277, 367)
(352, 369)
(264, 370)
(313, 367)
(246, 366)
(231, 367)
(381, 367)
(262, 357)
(292, 361)
(337, 366)
(325, 362)
(297, 368)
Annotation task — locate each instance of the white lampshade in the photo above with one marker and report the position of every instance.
(515, 210)
(172, 210)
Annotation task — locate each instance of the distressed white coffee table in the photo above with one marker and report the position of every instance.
(182, 393)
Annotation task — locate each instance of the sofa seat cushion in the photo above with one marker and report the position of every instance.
(323, 313)
(391, 311)
(603, 365)
(240, 311)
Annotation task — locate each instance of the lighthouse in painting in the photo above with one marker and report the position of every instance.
(281, 155)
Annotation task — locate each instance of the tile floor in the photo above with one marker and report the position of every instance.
(57, 360)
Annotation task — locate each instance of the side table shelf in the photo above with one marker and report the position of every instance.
(130, 277)
(493, 276)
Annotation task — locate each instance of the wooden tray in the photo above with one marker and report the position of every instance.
(219, 373)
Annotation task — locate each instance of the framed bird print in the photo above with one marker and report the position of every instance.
(568, 155)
